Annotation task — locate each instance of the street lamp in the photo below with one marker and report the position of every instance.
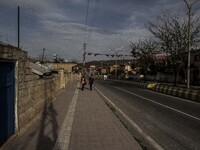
(189, 6)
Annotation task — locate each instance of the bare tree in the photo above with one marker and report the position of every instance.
(171, 32)
(145, 51)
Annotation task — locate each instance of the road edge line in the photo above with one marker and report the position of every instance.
(150, 140)
(160, 104)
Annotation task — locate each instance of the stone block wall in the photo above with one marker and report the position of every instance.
(11, 53)
(66, 66)
(32, 93)
(69, 77)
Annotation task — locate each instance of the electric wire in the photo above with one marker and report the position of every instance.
(93, 20)
(86, 20)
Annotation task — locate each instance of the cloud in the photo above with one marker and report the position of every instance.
(56, 16)
(78, 1)
(59, 25)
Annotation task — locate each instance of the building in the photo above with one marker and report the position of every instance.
(68, 67)
(183, 63)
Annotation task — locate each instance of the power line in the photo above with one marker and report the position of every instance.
(18, 28)
(87, 34)
(94, 17)
(84, 43)
(86, 19)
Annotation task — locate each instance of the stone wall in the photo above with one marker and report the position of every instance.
(11, 53)
(32, 93)
(66, 66)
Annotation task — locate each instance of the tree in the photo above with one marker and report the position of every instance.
(171, 32)
(145, 51)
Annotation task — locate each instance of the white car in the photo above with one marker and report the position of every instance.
(105, 77)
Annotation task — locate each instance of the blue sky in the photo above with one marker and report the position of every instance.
(59, 25)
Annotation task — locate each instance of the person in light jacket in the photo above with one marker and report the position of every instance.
(83, 82)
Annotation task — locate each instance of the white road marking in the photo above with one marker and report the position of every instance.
(182, 99)
(171, 96)
(63, 139)
(139, 130)
(168, 107)
(109, 82)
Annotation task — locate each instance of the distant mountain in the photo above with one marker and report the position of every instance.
(105, 63)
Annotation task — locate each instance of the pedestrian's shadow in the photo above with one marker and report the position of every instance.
(79, 88)
(86, 88)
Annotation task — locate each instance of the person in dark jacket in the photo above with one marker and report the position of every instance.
(91, 81)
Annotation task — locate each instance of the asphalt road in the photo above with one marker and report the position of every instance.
(172, 122)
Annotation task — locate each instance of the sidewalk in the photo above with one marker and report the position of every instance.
(77, 120)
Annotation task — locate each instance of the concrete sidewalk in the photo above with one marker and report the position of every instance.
(77, 120)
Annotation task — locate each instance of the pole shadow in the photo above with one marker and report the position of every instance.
(48, 130)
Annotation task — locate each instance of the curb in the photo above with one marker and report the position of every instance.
(143, 139)
(192, 95)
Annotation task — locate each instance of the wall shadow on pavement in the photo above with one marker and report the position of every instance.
(42, 133)
(43, 136)
(48, 129)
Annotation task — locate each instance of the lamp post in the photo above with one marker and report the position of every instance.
(189, 6)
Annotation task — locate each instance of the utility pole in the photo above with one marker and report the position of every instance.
(84, 53)
(43, 55)
(18, 28)
(116, 68)
(189, 46)
(189, 6)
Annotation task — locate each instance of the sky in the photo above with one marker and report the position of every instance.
(61, 28)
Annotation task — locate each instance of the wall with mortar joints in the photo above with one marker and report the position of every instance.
(33, 93)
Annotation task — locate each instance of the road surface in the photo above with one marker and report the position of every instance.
(171, 122)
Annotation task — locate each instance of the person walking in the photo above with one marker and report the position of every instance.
(91, 81)
(83, 82)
